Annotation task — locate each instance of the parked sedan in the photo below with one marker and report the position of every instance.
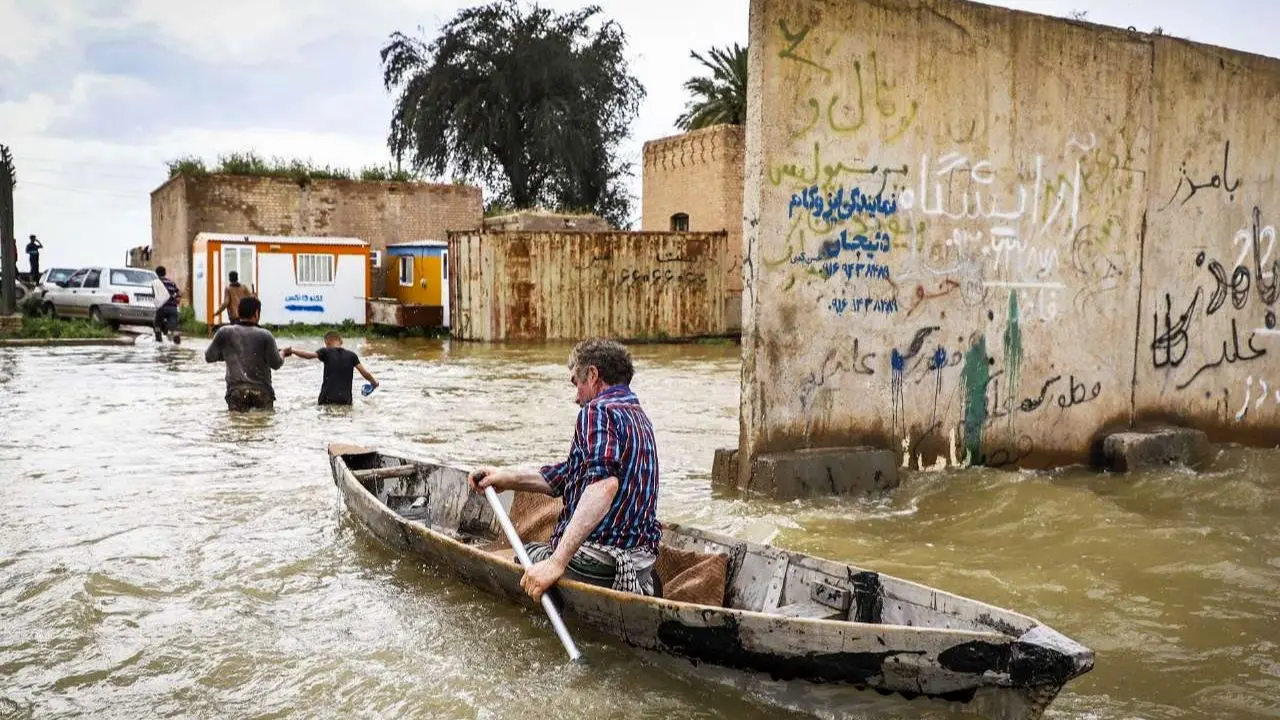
(51, 278)
(114, 296)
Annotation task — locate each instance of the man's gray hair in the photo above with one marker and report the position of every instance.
(610, 358)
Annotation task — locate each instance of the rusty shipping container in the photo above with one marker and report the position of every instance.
(511, 286)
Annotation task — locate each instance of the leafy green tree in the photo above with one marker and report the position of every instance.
(532, 102)
(720, 99)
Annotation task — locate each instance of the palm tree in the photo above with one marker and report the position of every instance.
(722, 98)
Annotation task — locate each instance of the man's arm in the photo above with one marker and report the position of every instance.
(304, 354)
(214, 353)
(592, 507)
(274, 358)
(508, 479)
(226, 302)
(366, 374)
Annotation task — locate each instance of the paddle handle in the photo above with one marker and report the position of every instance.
(549, 607)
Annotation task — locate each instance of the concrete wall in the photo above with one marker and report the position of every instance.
(699, 174)
(377, 212)
(958, 240)
(570, 286)
(1210, 247)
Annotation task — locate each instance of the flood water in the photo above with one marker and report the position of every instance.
(160, 557)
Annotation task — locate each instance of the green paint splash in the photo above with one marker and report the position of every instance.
(977, 373)
(1013, 347)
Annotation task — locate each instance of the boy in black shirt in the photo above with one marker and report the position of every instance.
(338, 365)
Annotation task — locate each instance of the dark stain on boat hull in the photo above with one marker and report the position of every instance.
(723, 646)
(1027, 664)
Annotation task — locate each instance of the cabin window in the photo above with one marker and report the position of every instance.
(315, 269)
(444, 264)
(680, 222)
(406, 272)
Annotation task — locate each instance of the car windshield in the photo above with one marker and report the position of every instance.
(60, 274)
(132, 277)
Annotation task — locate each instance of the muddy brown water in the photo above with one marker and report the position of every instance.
(162, 558)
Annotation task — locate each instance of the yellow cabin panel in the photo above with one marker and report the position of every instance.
(425, 285)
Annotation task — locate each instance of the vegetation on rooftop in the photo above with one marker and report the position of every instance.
(250, 163)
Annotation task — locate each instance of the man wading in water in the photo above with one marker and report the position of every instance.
(166, 295)
(339, 363)
(608, 531)
(250, 354)
(231, 297)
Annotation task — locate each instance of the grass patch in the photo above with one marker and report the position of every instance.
(190, 326)
(187, 323)
(47, 328)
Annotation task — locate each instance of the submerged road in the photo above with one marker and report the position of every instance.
(160, 557)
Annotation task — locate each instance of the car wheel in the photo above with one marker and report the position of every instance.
(95, 315)
(48, 310)
(114, 325)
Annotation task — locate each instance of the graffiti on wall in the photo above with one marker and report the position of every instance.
(1229, 314)
(955, 237)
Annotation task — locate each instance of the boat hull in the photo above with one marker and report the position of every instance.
(827, 668)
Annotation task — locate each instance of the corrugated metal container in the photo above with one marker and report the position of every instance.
(573, 285)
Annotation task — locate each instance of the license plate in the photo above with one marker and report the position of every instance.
(143, 296)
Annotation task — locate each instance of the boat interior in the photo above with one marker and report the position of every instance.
(693, 565)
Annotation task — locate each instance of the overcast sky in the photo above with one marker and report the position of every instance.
(95, 95)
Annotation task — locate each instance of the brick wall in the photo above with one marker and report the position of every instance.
(171, 237)
(377, 212)
(699, 174)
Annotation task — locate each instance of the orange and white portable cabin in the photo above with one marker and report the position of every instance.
(308, 280)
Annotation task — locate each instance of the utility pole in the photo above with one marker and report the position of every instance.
(8, 245)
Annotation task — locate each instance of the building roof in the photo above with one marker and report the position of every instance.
(280, 239)
(419, 244)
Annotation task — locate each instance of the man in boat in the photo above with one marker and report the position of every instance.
(608, 531)
(250, 354)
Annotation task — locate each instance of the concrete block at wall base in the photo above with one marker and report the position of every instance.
(1126, 451)
(724, 469)
(825, 471)
(733, 312)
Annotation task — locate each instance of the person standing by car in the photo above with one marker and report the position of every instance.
(231, 297)
(251, 354)
(166, 298)
(33, 256)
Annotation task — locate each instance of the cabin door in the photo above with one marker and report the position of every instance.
(444, 286)
(241, 259)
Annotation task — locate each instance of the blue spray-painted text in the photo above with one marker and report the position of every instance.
(842, 306)
(842, 204)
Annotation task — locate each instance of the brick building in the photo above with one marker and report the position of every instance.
(693, 182)
(377, 212)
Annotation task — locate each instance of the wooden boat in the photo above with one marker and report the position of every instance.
(801, 632)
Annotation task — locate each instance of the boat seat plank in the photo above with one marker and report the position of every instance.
(382, 473)
(773, 595)
(810, 609)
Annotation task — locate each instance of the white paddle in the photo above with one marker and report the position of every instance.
(512, 537)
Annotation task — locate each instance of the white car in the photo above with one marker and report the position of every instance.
(49, 279)
(109, 295)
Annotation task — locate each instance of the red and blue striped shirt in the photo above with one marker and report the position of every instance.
(614, 438)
